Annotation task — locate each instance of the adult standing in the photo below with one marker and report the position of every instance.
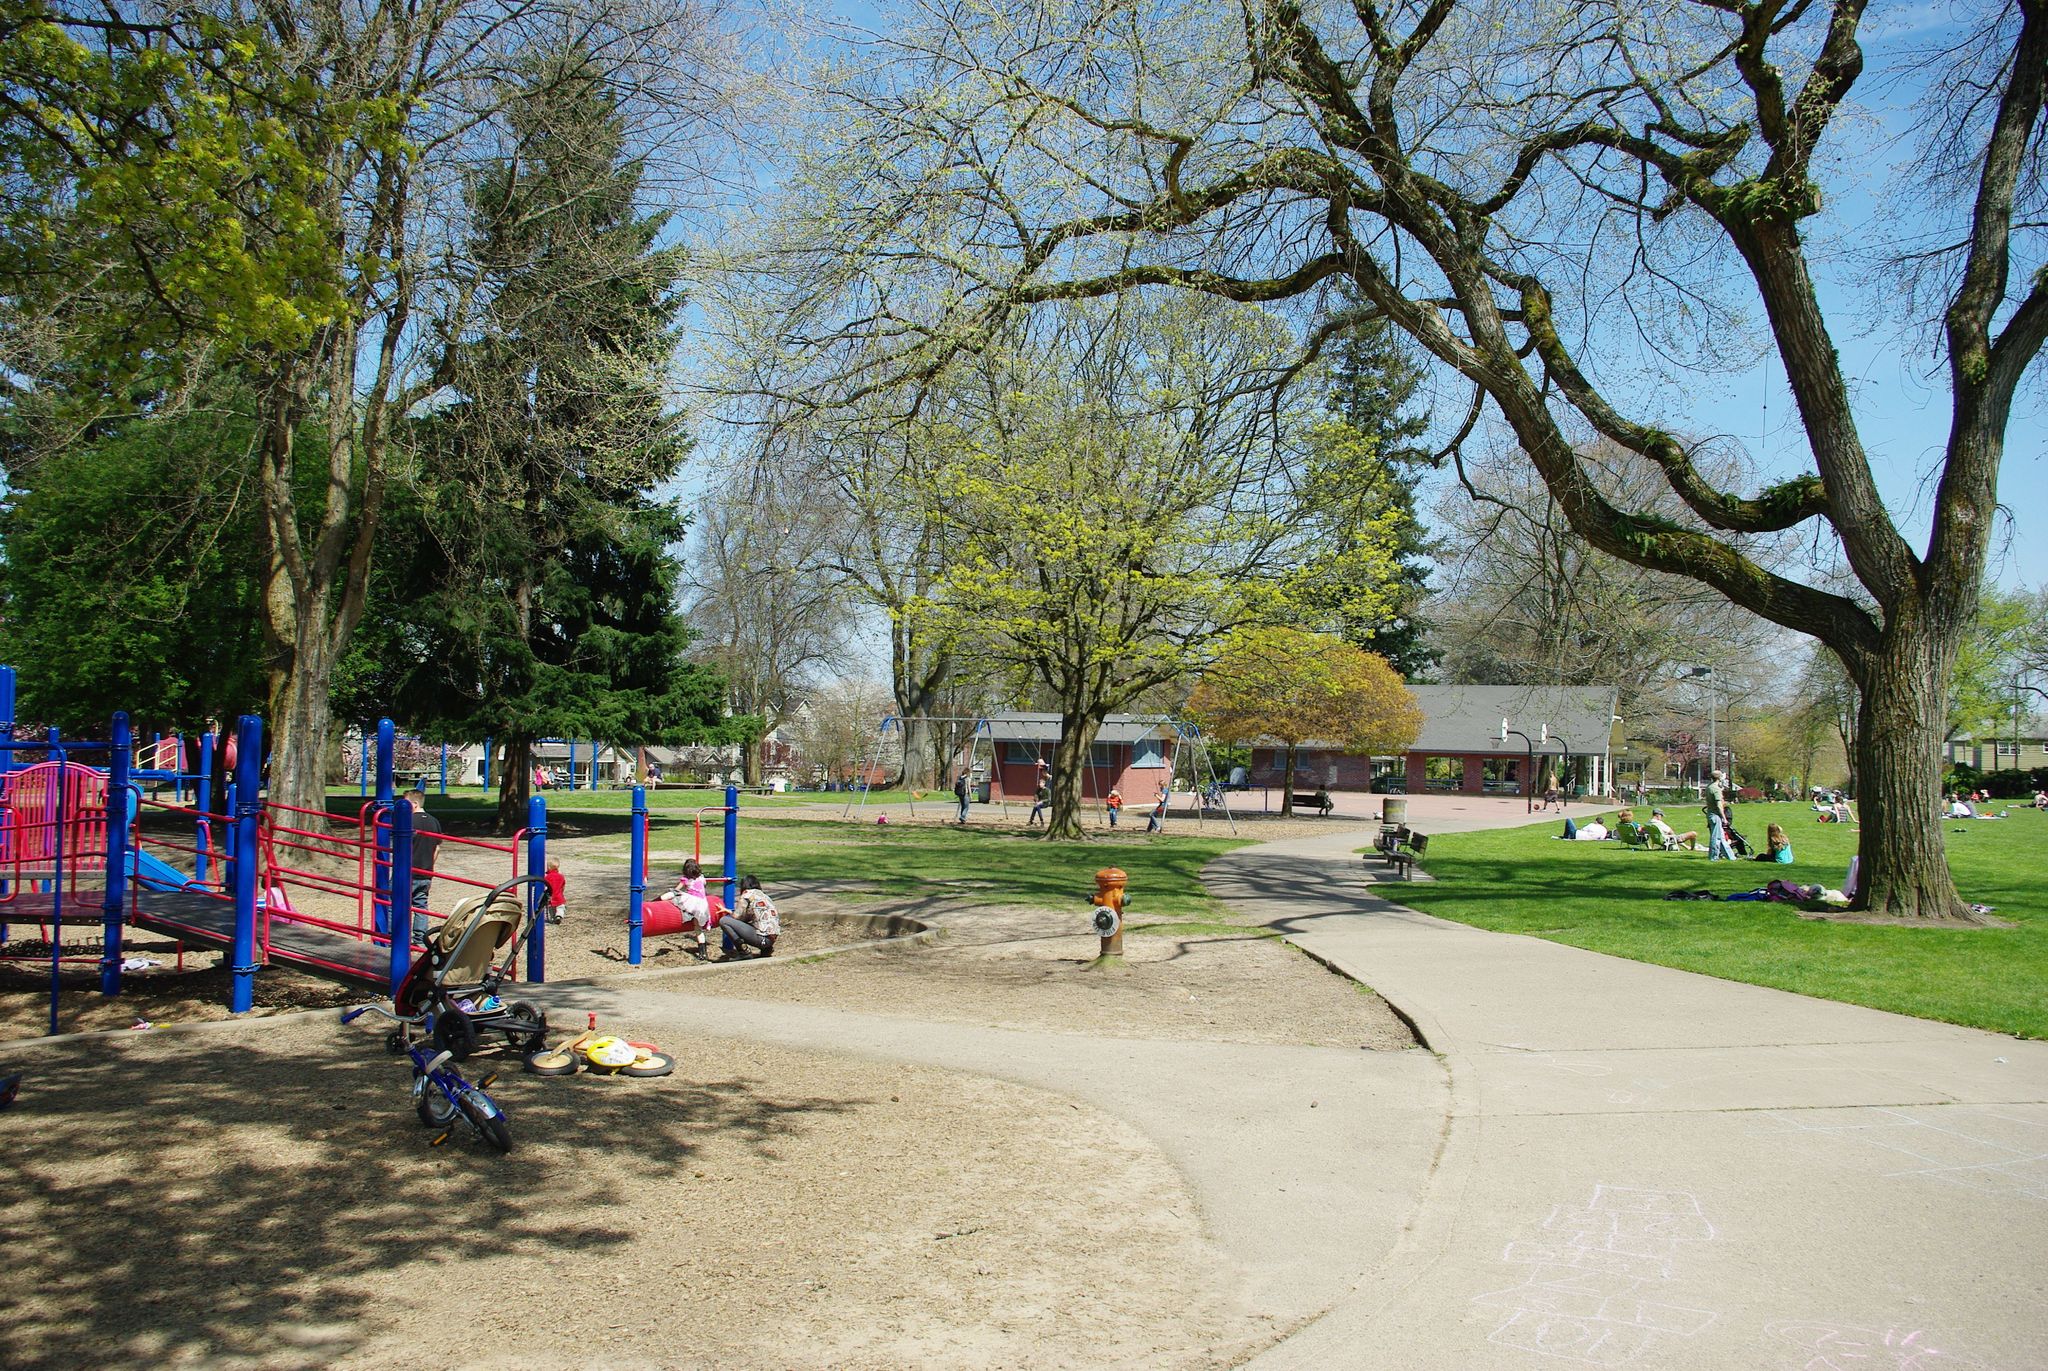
(426, 841)
(960, 793)
(1718, 819)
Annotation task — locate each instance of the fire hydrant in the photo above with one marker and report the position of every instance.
(1109, 909)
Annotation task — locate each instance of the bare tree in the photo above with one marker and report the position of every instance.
(1541, 195)
(1528, 601)
(769, 607)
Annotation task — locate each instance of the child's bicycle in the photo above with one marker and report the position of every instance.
(440, 1095)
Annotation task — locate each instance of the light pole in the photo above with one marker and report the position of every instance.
(1706, 673)
(1564, 750)
(1529, 776)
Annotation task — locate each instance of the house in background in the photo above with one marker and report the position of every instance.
(1460, 750)
(2024, 753)
(1133, 753)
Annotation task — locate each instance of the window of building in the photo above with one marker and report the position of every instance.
(1501, 775)
(1443, 773)
(1024, 754)
(1102, 755)
(1149, 752)
(2008, 749)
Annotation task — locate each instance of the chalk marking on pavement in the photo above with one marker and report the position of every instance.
(1596, 1270)
(1851, 1347)
(1950, 1155)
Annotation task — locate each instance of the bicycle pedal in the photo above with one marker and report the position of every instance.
(485, 1083)
(438, 1139)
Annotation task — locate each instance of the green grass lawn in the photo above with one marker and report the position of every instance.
(1004, 867)
(1605, 898)
(975, 863)
(473, 800)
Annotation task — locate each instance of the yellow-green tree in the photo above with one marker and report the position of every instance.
(1288, 686)
(1121, 497)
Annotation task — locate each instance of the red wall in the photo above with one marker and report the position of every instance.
(1140, 785)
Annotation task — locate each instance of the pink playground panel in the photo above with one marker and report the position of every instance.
(48, 804)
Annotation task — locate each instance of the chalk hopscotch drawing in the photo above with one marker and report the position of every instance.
(1829, 1346)
(1982, 1149)
(1600, 1283)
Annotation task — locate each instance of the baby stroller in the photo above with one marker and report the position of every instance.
(455, 979)
(1737, 844)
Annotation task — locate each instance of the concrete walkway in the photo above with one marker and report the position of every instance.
(1645, 1167)
(1307, 1163)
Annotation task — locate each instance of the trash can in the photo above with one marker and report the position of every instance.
(981, 792)
(1394, 809)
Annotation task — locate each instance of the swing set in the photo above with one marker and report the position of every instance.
(965, 735)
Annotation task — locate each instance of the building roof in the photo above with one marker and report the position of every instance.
(1467, 718)
(1045, 728)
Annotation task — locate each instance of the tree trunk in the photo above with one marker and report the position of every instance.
(515, 781)
(1897, 758)
(1069, 767)
(1287, 784)
(300, 720)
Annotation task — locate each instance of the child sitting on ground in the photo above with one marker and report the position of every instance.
(753, 921)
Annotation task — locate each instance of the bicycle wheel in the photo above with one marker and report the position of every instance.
(433, 1107)
(487, 1119)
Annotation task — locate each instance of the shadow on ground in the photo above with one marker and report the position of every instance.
(221, 1199)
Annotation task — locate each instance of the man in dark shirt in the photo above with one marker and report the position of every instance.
(426, 841)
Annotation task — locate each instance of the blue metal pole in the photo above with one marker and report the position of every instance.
(732, 845)
(483, 768)
(444, 768)
(117, 854)
(401, 892)
(537, 865)
(380, 900)
(572, 764)
(6, 716)
(202, 827)
(636, 899)
(248, 811)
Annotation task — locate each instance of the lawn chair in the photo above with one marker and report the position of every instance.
(1639, 837)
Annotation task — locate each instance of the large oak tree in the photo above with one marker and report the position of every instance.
(1541, 195)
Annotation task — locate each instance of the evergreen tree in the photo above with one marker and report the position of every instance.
(536, 595)
(1363, 468)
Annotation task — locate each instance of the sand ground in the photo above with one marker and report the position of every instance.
(261, 1195)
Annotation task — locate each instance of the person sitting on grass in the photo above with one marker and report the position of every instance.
(753, 922)
(1592, 831)
(1777, 847)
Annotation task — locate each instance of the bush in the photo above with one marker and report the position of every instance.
(2003, 785)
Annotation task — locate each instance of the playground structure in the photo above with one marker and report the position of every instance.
(638, 926)
(268, 884)
(1189, 752)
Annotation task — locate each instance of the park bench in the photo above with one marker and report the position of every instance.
(1310, 800)
(1388, 847)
